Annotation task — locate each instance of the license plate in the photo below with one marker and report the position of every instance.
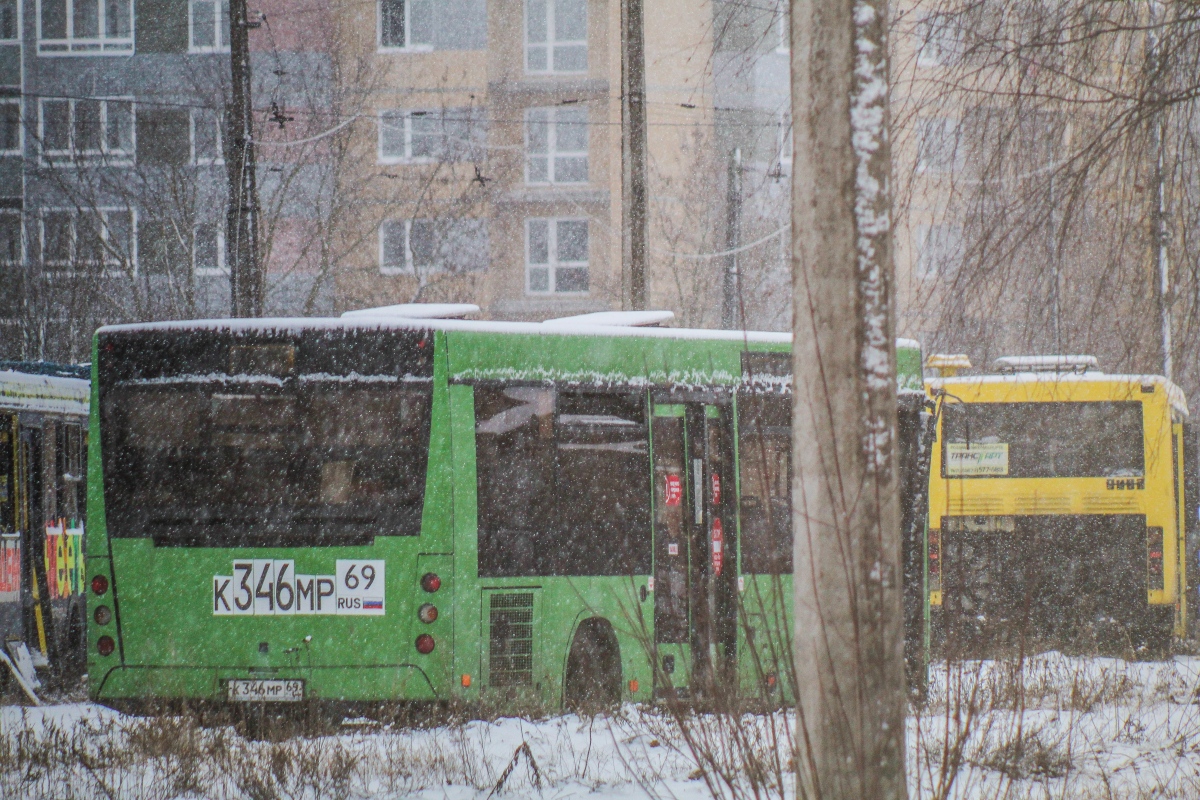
(265, 691)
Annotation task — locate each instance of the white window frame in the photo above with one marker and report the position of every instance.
(391, 269)
(931, 242)
(551, 43)
(785, 141)
(409, 46)
(222, 268)
(69, 269)
(782, 23)
(554, 264)
(948, 136)
(101, 45)
(552, 152)
(20, 148)
(68, 157)
(10, 212)
(394, 118)
(220, 31)
(939, 41)
(193, 158)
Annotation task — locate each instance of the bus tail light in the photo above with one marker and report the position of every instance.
(103, 615)
(430, 582)
(105, 645)
(428, 613)
(425, 644)
(1154, 558)
(935, 560)
(99, 584)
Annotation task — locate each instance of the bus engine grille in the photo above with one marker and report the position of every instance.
(510, 640)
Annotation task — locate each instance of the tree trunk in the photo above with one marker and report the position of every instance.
(849, 627)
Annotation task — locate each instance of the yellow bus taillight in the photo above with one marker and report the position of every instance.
(935, 560)
(1154, 558)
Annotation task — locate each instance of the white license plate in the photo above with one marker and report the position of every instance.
(265, 691)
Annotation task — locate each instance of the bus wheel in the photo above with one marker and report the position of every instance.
(593, 678)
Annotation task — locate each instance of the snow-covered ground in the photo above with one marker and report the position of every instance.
(1053, 727)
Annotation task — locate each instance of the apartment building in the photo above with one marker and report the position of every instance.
(112, 176)
(502, 120)
(455, 150)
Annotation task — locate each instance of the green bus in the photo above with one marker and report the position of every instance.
(403, 505)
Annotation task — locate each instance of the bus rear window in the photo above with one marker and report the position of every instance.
(1042, 440)
(255, 459)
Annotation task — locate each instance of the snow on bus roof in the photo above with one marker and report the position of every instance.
(1174, 394)
(22, 391)
(558, 327)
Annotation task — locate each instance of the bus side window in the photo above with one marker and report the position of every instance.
(514, 456)
(563, 482)
(70, 471)
(765, 459)
(603, 472)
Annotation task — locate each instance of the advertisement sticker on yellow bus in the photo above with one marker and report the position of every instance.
(972, 460)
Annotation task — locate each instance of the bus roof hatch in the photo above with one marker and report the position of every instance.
(617, 319)
(417, 311)
(1046, 364)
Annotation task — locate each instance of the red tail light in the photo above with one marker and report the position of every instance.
(105, 645)
(425, 644)
(431, 582)
(1154, 558)
(428, 613)
(99, 584)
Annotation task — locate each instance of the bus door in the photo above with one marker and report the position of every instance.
(32, 538)
(695, 595)
(11, 619)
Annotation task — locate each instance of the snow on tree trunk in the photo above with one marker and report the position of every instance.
(849, 628)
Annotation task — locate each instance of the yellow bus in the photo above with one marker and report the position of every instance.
(1056, 509)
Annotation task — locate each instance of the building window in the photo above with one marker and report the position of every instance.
(10, 126)
(786, 141)
(939, 249)
(74, 242)
(422, 246)
(208, 250)
(939, 41)
(12, 250)
(556, 256)
(938, 145)
(405, 24)
(205, 132)
(783, 28)
(10, 22)
(425, 136)
(406, 246)
(87, 129)
(85, 26)
(556, 145)
(556, 36)
(208, 26)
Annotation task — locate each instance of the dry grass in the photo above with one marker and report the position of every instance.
(1050, 726)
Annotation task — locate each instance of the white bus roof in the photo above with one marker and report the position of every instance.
(1175, 395)
(557, 327)
(22, 391)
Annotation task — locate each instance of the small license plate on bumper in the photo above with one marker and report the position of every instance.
(265, 691)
